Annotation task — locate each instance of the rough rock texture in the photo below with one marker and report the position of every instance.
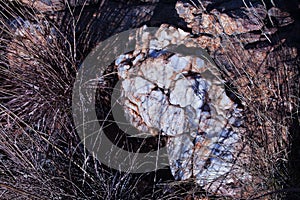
(155, 86)
(243, 44)
(167, 94)
(256, 46)
(262, 63)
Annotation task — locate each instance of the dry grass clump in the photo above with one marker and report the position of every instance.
(41, 156)
(270, 89)
(263, 69)
(40, 153)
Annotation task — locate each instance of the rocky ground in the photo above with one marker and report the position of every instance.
(235, 136)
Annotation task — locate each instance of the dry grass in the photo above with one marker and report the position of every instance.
(265, 76)
(40, 153)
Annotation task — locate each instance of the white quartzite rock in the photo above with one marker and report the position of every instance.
(172, 95)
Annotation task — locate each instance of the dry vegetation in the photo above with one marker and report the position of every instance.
(40, 153)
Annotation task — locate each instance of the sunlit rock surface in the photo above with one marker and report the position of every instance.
(181, 96)
(228, 18)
